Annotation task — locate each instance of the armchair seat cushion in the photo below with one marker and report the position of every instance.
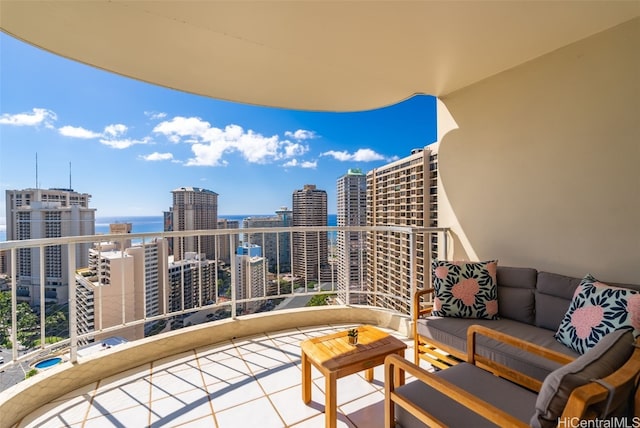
(505, 395)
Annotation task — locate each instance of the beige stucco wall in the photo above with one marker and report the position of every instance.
(544, 168)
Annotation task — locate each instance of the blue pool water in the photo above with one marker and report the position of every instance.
(45, 364)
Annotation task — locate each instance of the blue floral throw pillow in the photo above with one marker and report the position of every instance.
(465, 289)
(596, 310)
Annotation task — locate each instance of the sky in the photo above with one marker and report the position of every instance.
(128, 143)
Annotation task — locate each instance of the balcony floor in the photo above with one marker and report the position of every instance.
(251, 381)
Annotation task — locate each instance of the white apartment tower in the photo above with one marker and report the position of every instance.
(194, 209)
(47, 213)
(351, 198)
(309, 249)
(226, 244)
(276, 247)
(120, 285)
(250, 276)
(402, 193)
(191, 282)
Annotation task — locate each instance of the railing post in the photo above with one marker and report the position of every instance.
(14, 304)
(43, 314)
(413, 268)
(234, 277)
(73, 313)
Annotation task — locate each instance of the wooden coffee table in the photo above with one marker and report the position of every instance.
(334, 357)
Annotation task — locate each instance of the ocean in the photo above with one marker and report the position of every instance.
(144, 224)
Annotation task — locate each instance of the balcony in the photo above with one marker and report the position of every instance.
(540, 95)
(230, 360)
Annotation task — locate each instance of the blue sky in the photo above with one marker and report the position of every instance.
(130, 143)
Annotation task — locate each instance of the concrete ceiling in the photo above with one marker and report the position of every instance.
(309, 55)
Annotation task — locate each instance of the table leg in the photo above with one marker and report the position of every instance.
(306, 379)
(330, 410)
(368, 375)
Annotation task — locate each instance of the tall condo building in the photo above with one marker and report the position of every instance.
(194, 209)
(226, 244)
(276, 246)
(47, 213)
(191, 282)
(351, 198)
(402, 193)
(120, 285)
(250, 276)
(309, 249)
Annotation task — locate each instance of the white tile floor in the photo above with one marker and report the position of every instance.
(248, 382)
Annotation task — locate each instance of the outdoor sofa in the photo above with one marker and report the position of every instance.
(533, 306)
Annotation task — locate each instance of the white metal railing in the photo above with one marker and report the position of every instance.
(131, 290)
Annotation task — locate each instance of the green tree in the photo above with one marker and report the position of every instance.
(27, 325)
(320, 299)
(5, 317)
(56, 323)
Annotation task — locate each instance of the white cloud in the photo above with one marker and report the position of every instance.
(37, 116)
(304, 164)
(154, 115)
(309, 164)
(78, 132)
(360, 155)
(111, 136)
(301, 134)
(294, 149)
(155, 156)
(115, 130)
(123, 143)
(180, 126)
(210, 144)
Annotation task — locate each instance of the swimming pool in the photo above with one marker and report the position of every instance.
(49, 362)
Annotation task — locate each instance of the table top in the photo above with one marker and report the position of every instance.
(333, 351)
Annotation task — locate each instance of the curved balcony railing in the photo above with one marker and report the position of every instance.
(105, 288)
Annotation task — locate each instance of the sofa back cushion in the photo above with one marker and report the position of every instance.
(553, 296)
(516, 293)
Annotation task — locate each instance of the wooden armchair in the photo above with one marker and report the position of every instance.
(599, 384)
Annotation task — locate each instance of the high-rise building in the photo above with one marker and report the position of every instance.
(351, 198)
(401, 193)
(276, 246)
(120, 282)
(191, 282)
(226, 244)
(194, 209)
(47, 213)
(250, 276)
(310, 249)
(121, 228)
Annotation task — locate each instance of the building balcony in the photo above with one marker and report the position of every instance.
(227, 362)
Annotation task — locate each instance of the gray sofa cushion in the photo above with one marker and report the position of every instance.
(553, 296)
(517, 401)
(453, 332)
(516, 288)
(607, 356)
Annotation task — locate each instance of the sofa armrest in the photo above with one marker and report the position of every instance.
(502, 370)
(394, 363)
(418, 309)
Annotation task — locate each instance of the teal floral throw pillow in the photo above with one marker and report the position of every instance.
(465, 289)
(596, 310)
